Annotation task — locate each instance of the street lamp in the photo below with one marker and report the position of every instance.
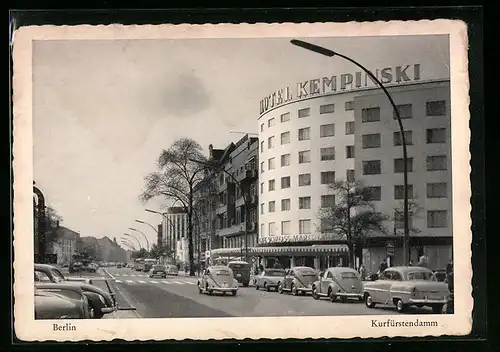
(139, 243)
(147, 223)
(128, 243)
(331, 53)
(142, 233)
(243, 193)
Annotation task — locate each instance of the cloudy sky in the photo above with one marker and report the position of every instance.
(104, 110)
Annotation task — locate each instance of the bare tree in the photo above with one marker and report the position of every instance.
(414, 210)
(176, 180)
(351, 215)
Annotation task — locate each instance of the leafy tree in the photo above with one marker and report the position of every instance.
(157, 252)
(142, 253)
(177, 178)
(352, 216)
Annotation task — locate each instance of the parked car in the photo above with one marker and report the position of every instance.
(172, 269)
(218, 279)
(440, 275)
(61, 301)
(158, 270)
(101, 301)
(406, 286)
(90, 267)
(298, 280)
(338, 282)
(75, 267)
(269, 279)
(241, 271)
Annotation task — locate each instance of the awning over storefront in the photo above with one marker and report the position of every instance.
(284, 250)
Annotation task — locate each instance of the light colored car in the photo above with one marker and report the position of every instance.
(298, 280)
(159, 271)
(338, 282)
(61, 303)
(406, 286)
(269, 279)
(172, 269)
(218, 279)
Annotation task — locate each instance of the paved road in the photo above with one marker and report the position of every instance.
(179, 297)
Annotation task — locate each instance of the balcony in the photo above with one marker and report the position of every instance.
(232, 230)
(247, 175)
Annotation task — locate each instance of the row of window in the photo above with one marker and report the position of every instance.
(373, 193)
(323, 109)
(432, 108)
(433, 163)
(435, 219)
(433, 135)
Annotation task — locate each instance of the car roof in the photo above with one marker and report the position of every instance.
(237, 262)
(407, 269)
(61, 285)
(219, 267)
(302, 267)
(341, 268)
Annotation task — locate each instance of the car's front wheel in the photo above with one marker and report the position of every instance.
(280, 288)
(400, 306)
(199, 288)
(294, 290)
(437, 308)
(314, 293)
(234, 293)
(369, 301)
(266, 287)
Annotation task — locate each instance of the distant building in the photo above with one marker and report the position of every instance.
(174, 228)
(64, 244)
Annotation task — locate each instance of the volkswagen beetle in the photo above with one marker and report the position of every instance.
(269, 279)
(338, 282)
(61, 302)
(406, 286)
(298, 280)
(218, 279)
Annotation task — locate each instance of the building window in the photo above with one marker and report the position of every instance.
(270, 142)
(327, 153)
(404, 112)
(327, 130)
(349, 105)
(286, 228)
(326, 225)
(262, 127)
(437, 218)
(271, 122)
(370, 114)
(399, 220)
(349, 151)
(326, 109)
(435, 108)
(261, 187)
(261, 230)
(371, 140)
(372, 167)
(408, 138)
(285, 117)
(436, 162)
(349, 127)
(271, 185)
(262, 146)
(271, 164)
(304, 202)
(285, 204)
(285, 138)
(372, 193)
(272, 206)
(399, 191)
(304, 180)
(285, 160)
(272, 229)
(285, 182)
(261, 167)
(304, 134)
(262, 208)
(327, 177)
(328, 201)
(436, 135)
(305, 226)
(437, 190)
(304, 112)
(399, 165)
(304, 156)
(350, 175)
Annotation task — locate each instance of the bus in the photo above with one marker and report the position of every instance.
(144, 264)
(148, 264)
(139, 264)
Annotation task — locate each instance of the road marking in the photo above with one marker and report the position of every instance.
(125, 275)
(118, 281)
(117, 274)
(190, 283)
(177, 282)
(133, 275)
(130, 281)
(153, 282)
(141, 282)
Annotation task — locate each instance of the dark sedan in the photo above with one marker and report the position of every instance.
(159, 271)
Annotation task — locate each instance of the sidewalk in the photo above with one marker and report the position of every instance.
(122, 314)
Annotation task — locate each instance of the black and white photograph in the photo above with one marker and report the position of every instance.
(262, 181)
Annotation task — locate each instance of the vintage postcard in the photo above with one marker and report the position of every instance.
(238, 181)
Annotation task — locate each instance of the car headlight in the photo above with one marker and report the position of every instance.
(101, 298)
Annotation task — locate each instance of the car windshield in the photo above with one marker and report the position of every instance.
(348, 275)
(421, 275)
(274, 273)
(159, 267)
(57, 275)
(222, 272)
(306, 272)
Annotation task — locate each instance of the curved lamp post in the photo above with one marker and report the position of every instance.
(128, 243)
(246, 201)
(147, 223)
(41, 222)
(142, 233)
(331, 53)
(135, 238)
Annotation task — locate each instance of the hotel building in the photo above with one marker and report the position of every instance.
(343, 128)
(174, 228)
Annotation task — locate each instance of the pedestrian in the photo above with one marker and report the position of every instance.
(362, 271)
(410, 263)
(383, 266)
(423, 262)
